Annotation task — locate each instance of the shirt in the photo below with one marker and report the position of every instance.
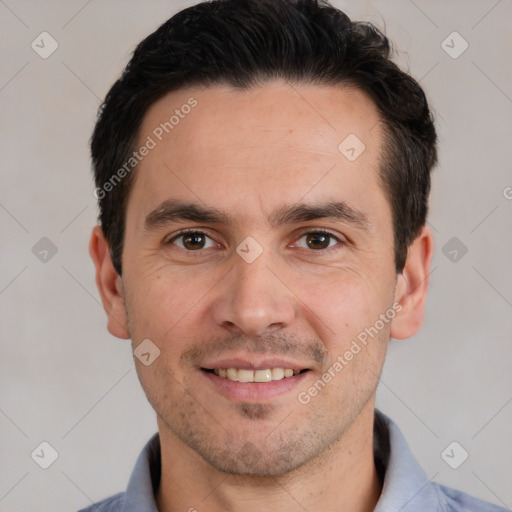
(406, 487)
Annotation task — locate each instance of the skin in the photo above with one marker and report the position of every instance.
(248, 154)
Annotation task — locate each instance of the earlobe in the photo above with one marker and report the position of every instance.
(109, 285)
(412, 286)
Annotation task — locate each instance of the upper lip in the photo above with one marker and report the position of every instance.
(253, 363)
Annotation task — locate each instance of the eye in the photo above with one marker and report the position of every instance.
(192, 241)
(317, 240)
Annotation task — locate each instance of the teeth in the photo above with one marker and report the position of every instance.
(232, 374)
(245, 375)
(277, 374)
(262, 375)
(242, 375)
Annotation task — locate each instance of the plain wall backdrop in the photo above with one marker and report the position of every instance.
(66, 381)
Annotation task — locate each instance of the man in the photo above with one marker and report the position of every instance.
(263, 172)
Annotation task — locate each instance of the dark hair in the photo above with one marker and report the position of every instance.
(244, 43)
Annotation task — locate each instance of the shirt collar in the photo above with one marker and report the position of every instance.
(144, 480)
(406, 487)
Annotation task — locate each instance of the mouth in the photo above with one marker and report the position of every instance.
(256, 381)
(250, 376)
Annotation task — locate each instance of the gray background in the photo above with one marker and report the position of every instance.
(65, 380)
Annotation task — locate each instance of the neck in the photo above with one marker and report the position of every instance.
(343, 477)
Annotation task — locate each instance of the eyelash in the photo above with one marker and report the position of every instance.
(305, 233)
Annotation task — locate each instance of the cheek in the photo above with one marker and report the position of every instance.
(342, 304)
(153, 307)
(160, 294)
(168, 308)
(163, 386)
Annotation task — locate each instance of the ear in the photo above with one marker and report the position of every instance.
(412, 285)
(110, 285)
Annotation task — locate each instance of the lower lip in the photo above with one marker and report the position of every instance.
(253, 391)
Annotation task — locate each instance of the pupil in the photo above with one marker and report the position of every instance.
(193, 241)
(318, 241)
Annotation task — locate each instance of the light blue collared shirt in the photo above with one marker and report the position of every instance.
(406, 487)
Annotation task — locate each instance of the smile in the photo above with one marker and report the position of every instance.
(258, 381)
(245, 375)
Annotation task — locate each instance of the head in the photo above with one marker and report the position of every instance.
(297, 157)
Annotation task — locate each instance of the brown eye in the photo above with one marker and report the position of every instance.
(193, 241)
(318, 240)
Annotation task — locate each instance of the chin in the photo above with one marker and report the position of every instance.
(258, 458)
(249, 461)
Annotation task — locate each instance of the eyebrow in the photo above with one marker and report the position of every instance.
(306, 212)
(172, 211)
(175, 211)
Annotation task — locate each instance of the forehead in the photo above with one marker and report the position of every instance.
(276, 143)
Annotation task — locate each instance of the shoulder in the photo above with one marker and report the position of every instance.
(458, 501)
(112, 504)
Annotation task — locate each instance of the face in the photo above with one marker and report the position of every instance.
(257, 254)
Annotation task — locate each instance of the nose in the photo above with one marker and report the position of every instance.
(253, 299)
